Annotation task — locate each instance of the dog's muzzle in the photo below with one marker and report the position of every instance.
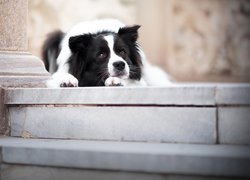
(119, 69)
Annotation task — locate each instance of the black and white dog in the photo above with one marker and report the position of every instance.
(99, 53)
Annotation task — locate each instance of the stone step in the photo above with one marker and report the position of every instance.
(156, 158)
(178, 94)
(193, 113)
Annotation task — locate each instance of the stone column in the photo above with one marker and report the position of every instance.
(18, 68)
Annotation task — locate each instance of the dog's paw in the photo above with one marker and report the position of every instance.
(114, 81)
(62, 80)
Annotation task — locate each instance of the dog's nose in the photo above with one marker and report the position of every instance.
(119, 65)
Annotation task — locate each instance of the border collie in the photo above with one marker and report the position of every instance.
(99, 53)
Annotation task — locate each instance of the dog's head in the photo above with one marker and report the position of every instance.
(95, 57)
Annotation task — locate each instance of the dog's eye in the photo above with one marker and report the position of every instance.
(122, 52)
(102, 55)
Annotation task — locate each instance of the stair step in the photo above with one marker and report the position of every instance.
(174, 95)
(186, 159)
(194, 113)
(160, 124)
(178, 94)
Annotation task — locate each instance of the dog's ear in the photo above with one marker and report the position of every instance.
(80, 42)
(129, 33)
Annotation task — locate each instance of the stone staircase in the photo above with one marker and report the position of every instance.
(186, 131)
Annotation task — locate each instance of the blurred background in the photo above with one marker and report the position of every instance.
(193, 40)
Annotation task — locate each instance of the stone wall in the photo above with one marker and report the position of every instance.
(194, 40)
(208, 38)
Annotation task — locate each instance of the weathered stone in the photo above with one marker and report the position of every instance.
(17, 67)
(188, 159)
(233, 94)
(208, 38)
(3, 120)
(23, 81)
(21, 64)
(171, 105)
(159, 124)
(53, 173)
(13, 20)
(234, 125)
(182, 94)
(21, 70)
(24, 172)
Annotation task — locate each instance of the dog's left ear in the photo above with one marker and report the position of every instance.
(130, 33)
(80, 42)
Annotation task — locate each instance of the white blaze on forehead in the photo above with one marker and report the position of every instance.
(110, 39)
(114, 57)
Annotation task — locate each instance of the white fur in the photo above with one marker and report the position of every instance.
(114, 58)
(60, 78)
(114, 81)
(151, 75)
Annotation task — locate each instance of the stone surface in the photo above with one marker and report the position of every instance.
(22, 172)
(160, 124)
(3, 120)
(233, 94)
(21, 64)
(180, 113)
(234, 125)
(178, 94)
(19, 69)
(23, 81)
(182, 94)
(213, 160)
(208, 39)
(13, 20)
(17, 172)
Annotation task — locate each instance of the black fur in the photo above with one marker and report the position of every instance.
(90, 54)
(51, 49)
(130, 36)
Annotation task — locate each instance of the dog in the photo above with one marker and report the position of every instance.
(99, 53)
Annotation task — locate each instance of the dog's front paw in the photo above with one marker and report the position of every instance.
(114, 81)
(62, 80)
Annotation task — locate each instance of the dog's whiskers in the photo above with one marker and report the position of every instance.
(103, 74)
(133, 69)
